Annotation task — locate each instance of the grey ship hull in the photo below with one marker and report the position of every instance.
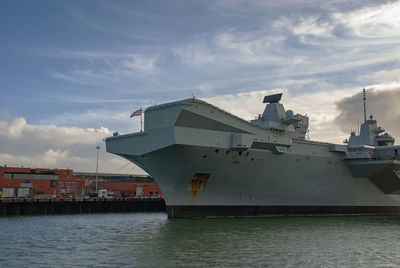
(189, 148)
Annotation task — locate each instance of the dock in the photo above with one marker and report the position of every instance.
(52, 206)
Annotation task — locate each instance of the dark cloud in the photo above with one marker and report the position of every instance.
(383, 104)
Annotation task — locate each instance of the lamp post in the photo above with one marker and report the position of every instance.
(97, 168)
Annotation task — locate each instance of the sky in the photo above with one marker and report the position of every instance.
(72, 72)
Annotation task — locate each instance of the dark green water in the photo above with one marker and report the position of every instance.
(151, 240)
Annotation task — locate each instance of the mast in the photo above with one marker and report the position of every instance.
(365, 110)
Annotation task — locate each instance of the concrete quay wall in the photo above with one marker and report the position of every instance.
(31, 206)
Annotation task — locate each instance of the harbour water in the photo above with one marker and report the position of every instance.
(151, 240)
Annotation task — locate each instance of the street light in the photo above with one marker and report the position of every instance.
(97, 167)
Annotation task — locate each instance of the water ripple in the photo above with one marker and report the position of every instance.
(150, 240)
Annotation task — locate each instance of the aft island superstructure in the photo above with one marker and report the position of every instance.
(210, 163)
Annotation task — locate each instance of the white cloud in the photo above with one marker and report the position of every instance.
(139, 62)
(126, 31)
(65, 159)
(116, 118)
(249, 48)
(50, 146)
(245, 105)
(383, 76)
(18, 128)
(365, 20)
(259, 6)
(195, 53)
(92, 116)
(333, 114)
(231, 49)
(306, 26)
(381, 21)
(105, 68)
(331, 41)
(320, 108)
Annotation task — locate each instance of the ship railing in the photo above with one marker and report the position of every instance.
(385, 158)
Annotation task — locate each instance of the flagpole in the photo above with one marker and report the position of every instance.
(136, 113)
(141, 120)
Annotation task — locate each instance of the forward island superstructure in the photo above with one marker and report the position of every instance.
(210, 163)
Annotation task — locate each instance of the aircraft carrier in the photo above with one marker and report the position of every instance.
(210, 163)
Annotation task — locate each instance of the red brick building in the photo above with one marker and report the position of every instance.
(41, 181)
(64, 182)
(131, 186)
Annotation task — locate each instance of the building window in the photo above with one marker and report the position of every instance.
(72, 183)
(151, 193)
(61, 183)
(53, 183)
